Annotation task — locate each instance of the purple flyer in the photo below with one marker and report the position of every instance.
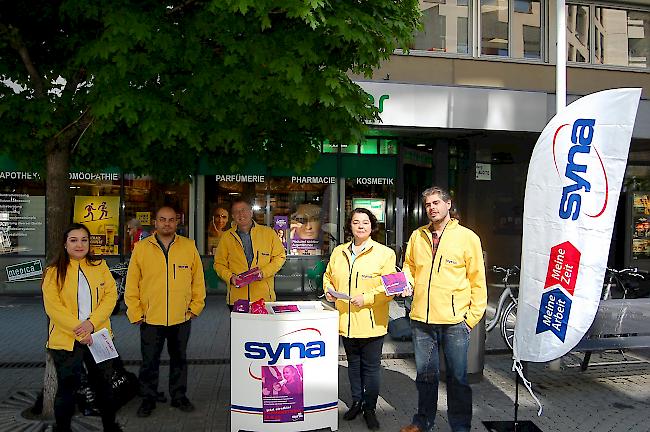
(282, 394)
(285, 308)
(394, 283)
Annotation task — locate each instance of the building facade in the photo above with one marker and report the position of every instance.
(462, 109)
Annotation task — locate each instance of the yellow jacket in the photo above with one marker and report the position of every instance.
(61, 304)
(361, 277)
(268, 255)
(164, 290)
(449, 287)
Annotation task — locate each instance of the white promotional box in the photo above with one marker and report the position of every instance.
(284, 368)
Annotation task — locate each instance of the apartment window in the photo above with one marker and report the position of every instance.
(494, 27)
(620, 37)
(527, 29)
(577, 36)
(446, 27)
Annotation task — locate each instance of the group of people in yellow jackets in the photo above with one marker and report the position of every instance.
(165, 290)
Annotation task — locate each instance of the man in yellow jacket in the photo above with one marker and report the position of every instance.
(444, 263)
(246, 246)
(165, 289)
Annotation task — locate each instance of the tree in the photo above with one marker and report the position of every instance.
(153, 87)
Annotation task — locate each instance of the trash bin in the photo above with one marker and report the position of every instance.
(475, 354)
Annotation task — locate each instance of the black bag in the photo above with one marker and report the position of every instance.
(400, 329)
(125, 385)
(86, 401)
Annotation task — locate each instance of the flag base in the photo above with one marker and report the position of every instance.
(511, 426)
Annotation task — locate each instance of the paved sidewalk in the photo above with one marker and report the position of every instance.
(604, 398)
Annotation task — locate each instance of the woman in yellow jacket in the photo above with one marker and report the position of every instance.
(354, 269)
(79, 295)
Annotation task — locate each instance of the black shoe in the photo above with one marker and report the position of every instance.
(146, 407)
(161, 397)
(113, 428)
(371, 419)
(354, 411)
(183, 404)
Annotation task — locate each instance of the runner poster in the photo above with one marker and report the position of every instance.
(572, 192)
(282, 394)
(101, 215)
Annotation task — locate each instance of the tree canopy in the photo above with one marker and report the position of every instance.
(152, 87)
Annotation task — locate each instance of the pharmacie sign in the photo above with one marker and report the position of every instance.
(24, 270)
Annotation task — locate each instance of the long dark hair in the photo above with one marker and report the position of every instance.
(62, 259)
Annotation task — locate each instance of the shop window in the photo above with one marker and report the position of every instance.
(97, 206)
(220, 195)
(22, 213)
(369, 146)
(387, 146)
(303, 212)
(494, 27)
(445, 27)
(375, 194)
(329, 147)
(349, 148)
(143, 196)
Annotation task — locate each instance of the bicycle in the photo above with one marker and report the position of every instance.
(621, 289)
(506, 312)
(118, 271)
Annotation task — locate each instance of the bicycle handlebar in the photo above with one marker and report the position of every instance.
(633, 271)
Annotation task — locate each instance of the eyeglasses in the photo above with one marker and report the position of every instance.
(305, 219)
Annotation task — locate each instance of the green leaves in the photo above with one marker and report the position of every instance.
(219, 80)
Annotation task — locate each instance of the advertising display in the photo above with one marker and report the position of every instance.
(281, 226)
(100, 214)
(305, 238)
(572, 192)
(22, 227)
(284, 368)
(641, 222)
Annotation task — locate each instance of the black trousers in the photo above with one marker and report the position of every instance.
(69, 366)
(364, 368)
(152, 339)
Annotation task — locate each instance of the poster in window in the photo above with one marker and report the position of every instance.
(100, 214)
(281, 226)
(283, 394)
(305, 230)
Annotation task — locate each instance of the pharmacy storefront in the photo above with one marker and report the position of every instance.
(307, 210)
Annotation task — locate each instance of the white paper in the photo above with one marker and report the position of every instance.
(102, 347)
(337, 294)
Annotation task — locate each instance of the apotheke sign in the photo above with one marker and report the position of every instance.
(22, 175)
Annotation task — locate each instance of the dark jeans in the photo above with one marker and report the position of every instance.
(364, 364)
(69, 366)
(152, 339)
(454, 340)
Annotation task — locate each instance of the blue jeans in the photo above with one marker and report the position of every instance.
(454, 339)
(364, 368)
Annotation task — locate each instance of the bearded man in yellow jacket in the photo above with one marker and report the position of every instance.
(165, 290)
(444, 263)
(243, 247)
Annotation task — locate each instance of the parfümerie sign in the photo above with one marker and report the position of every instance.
(25, 270)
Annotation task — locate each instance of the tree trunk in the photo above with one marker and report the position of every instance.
(58, 211)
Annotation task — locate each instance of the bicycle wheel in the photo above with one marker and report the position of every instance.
(507, 323)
